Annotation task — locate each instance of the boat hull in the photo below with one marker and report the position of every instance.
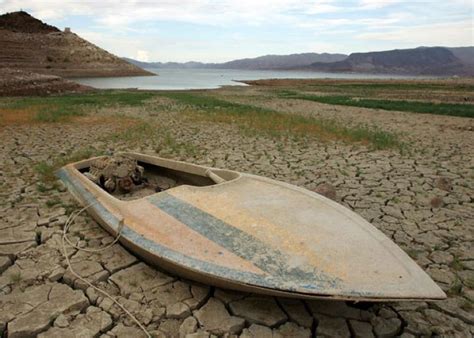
(257, 235)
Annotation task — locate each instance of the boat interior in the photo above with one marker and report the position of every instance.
(159, 175)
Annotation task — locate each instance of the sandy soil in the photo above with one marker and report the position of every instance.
(423, 200)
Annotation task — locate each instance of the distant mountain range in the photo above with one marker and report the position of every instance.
(437, 61)
(417, 61)
(258, 63)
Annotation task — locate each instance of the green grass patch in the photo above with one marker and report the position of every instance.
(136, 133)
(457, 265)
(451, 109)
(52, 202)
(397, 86)
(256, 120)
(42, 188)
(467, 305)
(163, 140)
(47, 170)
(456, 288)
(211, 104)
(60, 108)
(15, 277)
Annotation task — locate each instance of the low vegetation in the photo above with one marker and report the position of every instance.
(451, 109)
(47, 170)
(148, 132)
(255, 119)
(392, 86)
(62, 108)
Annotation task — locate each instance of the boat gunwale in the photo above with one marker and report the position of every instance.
(148, 159)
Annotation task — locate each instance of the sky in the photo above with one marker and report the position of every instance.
(223, 30)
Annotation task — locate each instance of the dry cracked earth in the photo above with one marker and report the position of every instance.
(424, 201)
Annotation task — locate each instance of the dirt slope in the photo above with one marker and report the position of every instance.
(14, 82)
(31, 45)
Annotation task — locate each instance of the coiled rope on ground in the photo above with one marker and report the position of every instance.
(65, 240)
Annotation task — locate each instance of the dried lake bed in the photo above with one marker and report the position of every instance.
(410, 174)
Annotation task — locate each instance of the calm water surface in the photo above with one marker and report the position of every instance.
(176, 79)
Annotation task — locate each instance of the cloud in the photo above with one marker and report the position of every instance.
(452, 34)
(142, 55)
(217, 30)
(377, 4)
(115, 13)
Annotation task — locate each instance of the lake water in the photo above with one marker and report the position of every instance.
(176, 79)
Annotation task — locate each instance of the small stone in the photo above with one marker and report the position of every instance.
(437, 202)
(61, 321)
(334, 309)
(469, 295)
(228, 296)
(121, 331)
(416, 323)
(178, 311)
(387, 313)
(332, 327)
(200, 334)
(189, 325)
(84, 269)
(361, 329)
(5, 262)
(407, 335)
(200, 294)
(259, 310)
(387, 328)
(169, 327)
(60, 221)
(117, 258)
(451, 306)
(327, 190)
(139, 277)
(42, 222)
(290, 329)
(57, 213)
(56, 274)
(213, 317)
(443, 276)
(443, 183)
(297, 312)
(136, 296)
(257, 331)
(91, 293)
(441, 257)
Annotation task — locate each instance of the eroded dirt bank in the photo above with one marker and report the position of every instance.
(14, 82)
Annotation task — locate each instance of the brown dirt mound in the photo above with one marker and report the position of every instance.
(15, 82)
(25, 23)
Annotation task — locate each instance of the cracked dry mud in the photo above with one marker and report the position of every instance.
(38, 296)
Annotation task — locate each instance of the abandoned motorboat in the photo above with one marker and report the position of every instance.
(249, 233)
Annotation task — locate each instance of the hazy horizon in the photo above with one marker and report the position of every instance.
(219, 31)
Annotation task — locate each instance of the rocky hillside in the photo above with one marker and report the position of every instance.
(418, 61)
(465, 54)
(281, 61)
(31, 45)
(266, 62)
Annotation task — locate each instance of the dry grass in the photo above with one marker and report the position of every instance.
(434, 91)
(255, 120)
(15, 116)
